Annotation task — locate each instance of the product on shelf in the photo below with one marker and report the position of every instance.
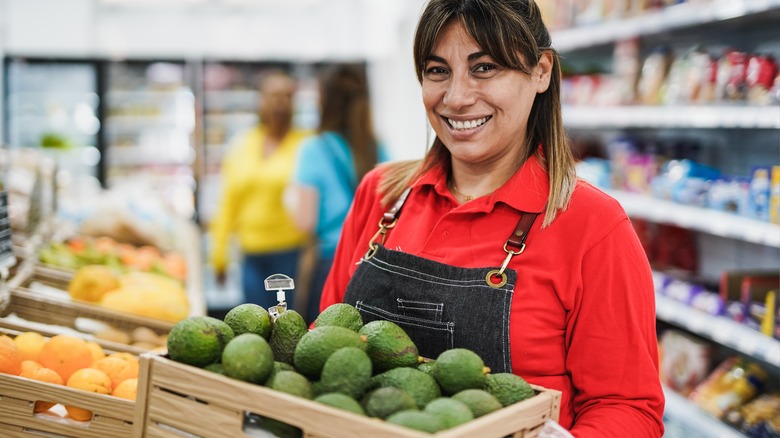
(730, 386)
(685, 361)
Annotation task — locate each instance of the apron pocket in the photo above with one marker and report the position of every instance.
(430, 337)
(420, 309)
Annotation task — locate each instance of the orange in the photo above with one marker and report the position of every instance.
(91, 380)
(29, 345)
(10, 360)
(96, 350)
(28, 365)
(127, 389)
(117, 368)
(65, 354)
(131, 358)
(43, 375)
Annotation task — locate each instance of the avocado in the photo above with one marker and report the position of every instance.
(457, 369)
(288, 329)
(449, 411)
(420, 386)
(280, 366)
(249, 318)
(198, 340)
(348, 370)
(479, 401)
(389, 346)
(426, 367)
(341, 401)
(215, 368)
(342, 315)
(508, 388)
(292, 383)
(316, 346)
(248, 357)
(418, 420)
(384, 402)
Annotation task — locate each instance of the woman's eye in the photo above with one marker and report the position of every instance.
(485, 69)
(435, 73)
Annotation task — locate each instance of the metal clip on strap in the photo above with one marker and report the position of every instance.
(515, 240)
(388, 221)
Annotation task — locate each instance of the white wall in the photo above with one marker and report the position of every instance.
(379, 31)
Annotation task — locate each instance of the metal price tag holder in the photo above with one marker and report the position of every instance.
(280, 283)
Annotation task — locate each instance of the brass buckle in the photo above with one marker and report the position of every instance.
(373, 246)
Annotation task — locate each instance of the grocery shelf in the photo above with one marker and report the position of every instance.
(718, 329)
(690, 116)
(680, 16)
(681, 410)
(129, 156)
(713, 222)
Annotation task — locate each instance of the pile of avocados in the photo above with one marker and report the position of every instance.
(371, 369)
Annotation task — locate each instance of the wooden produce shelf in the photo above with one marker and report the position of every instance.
(112, 416)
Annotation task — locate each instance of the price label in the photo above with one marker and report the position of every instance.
(7, 258)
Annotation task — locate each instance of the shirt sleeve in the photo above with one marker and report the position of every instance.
(612, 343)
(309, 162)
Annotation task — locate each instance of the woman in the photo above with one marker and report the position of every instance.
(330, 165)
(255, 173)
(495, 245)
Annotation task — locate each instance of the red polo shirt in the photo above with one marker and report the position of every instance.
(583, 311)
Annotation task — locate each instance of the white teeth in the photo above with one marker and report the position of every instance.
(469, 124)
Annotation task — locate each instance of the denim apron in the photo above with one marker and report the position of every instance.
(439, 306)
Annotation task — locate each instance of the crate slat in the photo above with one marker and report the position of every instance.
(206, 404)
(113, 416)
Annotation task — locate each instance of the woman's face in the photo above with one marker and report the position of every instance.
(478, 108)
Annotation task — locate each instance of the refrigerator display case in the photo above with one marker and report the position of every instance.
(149, 131)
(54, 105)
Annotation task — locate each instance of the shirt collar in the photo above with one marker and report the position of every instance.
(526, 190)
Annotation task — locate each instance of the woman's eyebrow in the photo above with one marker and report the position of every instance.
(472, 57)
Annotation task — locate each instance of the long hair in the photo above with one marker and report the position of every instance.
(346, 109)
(513, 33)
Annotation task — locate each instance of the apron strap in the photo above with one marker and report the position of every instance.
(513, 246)
(388, 221)
(517, 239)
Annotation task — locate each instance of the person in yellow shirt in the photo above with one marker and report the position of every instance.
(255, 173)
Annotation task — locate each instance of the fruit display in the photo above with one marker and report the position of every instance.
(371, 370)
(140, 293)
(72, 362)
(80, 251)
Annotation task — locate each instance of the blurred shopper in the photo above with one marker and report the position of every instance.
(255, 173)
(330, 165)
(491, 243)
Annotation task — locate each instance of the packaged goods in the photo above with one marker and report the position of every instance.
(686, 361)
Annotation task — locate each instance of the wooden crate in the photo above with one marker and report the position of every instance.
(42, 308)
(113, 417)
(178, 400)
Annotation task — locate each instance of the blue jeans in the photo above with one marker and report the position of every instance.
(257, 267)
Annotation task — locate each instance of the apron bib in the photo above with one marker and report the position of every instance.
(438, 305)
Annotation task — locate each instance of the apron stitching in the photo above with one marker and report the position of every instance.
(480, 281)
(480, 286)
(450, 326)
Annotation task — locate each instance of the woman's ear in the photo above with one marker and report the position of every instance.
(543, 71)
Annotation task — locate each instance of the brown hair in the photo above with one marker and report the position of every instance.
(346, 109)
(513, 33)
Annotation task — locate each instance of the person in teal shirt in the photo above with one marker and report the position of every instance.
(329, 166)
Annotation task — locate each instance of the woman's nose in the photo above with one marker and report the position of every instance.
(459, 92)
